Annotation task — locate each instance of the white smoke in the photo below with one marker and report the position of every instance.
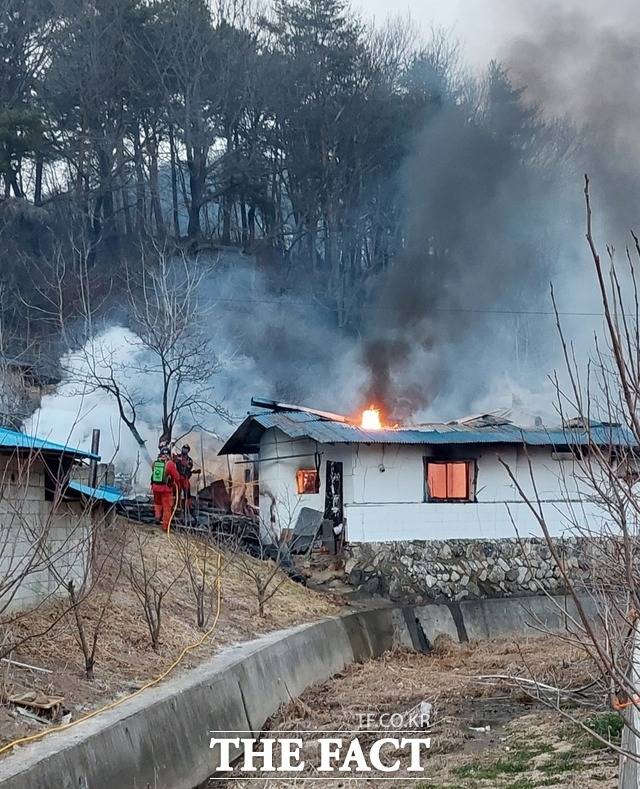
(69, 415)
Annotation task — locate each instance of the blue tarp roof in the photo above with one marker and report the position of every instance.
(103, 492)
(12, 439)
(296, 424)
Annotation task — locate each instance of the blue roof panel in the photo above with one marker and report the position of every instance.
(103, 492)
(12, 439)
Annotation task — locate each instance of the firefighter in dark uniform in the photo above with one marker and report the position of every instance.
(184, 464)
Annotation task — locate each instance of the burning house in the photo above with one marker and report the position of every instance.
(425, 482)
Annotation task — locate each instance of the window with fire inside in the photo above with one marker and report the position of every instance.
(450, 480)
(307, 481)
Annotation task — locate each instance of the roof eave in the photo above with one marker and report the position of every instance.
(246, 438)
(242, 440)
(74, 454)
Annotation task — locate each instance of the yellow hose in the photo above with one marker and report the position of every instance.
(176, 496)
(63, 727)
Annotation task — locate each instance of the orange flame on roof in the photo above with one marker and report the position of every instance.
(371, 418)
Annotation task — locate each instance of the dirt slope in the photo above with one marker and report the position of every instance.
(125, 659)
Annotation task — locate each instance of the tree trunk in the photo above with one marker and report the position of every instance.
(154, 187)
(309, 227)
(226, 219)
(244, 223)
(37, 189)
(88, 657)
(281, 242)
(121, 181)
(13, 180)
(140, 190)
(227, 198)
(200, 607)
(197, 178)
(174, 185)
(96, 224)
(109, 232)
(106, 192)
(251, 220)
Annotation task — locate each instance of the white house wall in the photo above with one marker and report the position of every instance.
(384, 490)
(449, 521)
(401, 481)
(277, 479)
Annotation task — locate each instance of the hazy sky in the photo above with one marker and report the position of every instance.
(486, 28)
(474, 22)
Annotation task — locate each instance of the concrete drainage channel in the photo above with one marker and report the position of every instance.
(159, 740)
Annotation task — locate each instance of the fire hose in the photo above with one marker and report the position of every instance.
(152, 683)
(173, 512)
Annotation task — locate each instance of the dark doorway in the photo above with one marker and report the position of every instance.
(333, 504)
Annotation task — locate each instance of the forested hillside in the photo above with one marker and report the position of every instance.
(327, 150)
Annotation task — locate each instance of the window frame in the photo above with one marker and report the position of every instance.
(472, 475)
(316, 489)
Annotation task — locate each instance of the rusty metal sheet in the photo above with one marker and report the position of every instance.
(325, 431)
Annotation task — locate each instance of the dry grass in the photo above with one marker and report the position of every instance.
(527, 745)
(125, 659)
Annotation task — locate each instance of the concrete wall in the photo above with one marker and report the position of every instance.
(384, 490)
(105, 473)
(160, 739)
(41, 546)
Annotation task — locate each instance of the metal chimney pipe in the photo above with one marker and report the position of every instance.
(93, 467)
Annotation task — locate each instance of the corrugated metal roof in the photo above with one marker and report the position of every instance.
(102, 492)
(303, 425)
(12, 439)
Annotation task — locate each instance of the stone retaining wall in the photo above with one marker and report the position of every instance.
(417, 571)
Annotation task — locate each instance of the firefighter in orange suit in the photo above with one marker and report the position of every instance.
(165, 484)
